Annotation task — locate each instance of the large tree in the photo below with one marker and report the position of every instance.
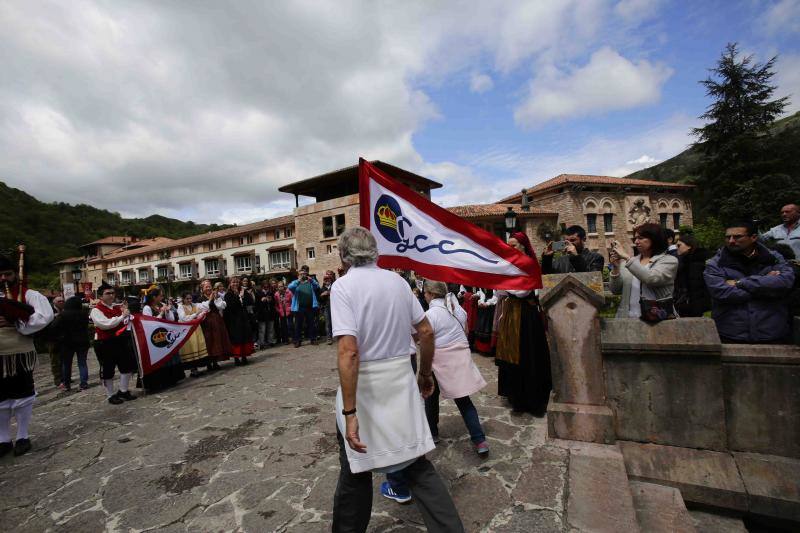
(740, 161)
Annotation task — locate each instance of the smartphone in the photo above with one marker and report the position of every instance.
(559, 246)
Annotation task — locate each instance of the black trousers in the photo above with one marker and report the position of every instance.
(352, 502)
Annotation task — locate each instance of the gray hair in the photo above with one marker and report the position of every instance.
(436, 288)
(357, 247)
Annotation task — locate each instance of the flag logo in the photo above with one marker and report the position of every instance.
(162, 338)
(413, 233)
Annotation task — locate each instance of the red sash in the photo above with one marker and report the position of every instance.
(110, 312)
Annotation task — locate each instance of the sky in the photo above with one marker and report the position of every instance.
(200, 110)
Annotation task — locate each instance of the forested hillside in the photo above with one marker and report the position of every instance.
(54, 231)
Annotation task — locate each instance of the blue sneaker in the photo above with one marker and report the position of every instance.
(400, 497)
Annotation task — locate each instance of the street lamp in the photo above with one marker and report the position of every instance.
(511, 221)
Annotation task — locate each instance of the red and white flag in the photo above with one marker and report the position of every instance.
(415, 234)
(158, 340)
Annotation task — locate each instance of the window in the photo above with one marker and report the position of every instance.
(244, 263)
(207, 247)
(185, 270)
(333, 226)
(280, 260)
(144, 276)
(250, 239)
(310, 253)
(258, 263)
(591, 223)
(192, 249)
(163, 272)
(327, 228)
(241, 241)
(218, 245)
(289, 232)
(126, 277)
(277, 234)
(212, 267)
(331, 249)
(663, 219)
(676, 220)
(608, 222)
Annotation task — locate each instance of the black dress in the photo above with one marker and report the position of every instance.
(523, 376)
(237, 322)
(691, 295)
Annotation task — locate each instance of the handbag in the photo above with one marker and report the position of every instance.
(654, 311)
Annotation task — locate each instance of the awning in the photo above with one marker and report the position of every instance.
(245, 252)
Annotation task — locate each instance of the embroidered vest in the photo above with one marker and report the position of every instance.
(105, 334)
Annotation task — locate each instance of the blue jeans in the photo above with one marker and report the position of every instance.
(326, 311)
(309, 316)
(67, 352)
(465, 406)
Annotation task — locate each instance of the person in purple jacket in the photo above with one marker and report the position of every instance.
(748, 285)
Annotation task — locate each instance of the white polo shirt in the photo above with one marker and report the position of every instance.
(447, 329)
(377, 307)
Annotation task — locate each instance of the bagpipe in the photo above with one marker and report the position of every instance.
(11, 308)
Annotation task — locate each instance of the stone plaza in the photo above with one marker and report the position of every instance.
(254, 449)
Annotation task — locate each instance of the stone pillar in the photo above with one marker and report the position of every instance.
(577, 409)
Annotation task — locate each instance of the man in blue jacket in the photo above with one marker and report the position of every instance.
(748, 285)
(304, 306)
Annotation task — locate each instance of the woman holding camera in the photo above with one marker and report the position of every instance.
(646, 281)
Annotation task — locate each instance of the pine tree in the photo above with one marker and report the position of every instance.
(740, 162)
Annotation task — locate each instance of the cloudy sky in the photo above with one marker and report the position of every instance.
(201, 110)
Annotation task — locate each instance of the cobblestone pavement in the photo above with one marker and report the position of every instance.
(254, 449)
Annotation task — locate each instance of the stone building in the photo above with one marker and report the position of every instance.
(336, 208)
(607, 207)
(258, 249)
(491, 217)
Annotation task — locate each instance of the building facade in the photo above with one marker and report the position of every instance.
(609, 208)
(336, 208)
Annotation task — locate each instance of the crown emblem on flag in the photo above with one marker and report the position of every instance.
(387, 217)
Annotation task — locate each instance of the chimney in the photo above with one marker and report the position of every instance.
(524, 201)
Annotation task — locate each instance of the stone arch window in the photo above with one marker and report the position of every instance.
(678, 210)
(590, 211)
(608, 209)
(663, 212)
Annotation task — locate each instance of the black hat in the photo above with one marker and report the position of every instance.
(6, 264)
(102, 288)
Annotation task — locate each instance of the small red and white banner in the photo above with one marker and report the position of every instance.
(415, 234)
(158, 340)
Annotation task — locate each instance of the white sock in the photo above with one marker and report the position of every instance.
(124, 381)
(23, 416)
(5, 425)
(109, 385)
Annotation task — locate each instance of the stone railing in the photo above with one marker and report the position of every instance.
(672, 383)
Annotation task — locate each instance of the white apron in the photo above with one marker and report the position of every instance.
(391, 416)
(456, 372)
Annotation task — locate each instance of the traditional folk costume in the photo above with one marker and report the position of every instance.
(114, 348)
(456, 374)
(237, 321)
(18, 360)
(485, 323)
(171, 372)
(469, 303)
(218, 344)
(193, 353)
(522, 355)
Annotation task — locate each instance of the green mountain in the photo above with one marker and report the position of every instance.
(54, 231)
(683, 167)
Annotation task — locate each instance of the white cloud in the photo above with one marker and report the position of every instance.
(608, 82)
(480, 83)
(644, 160)
(633, 11)
(202, 110)
(782, 16)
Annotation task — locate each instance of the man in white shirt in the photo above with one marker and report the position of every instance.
(789, 231)
(372, 312)
(25, 312)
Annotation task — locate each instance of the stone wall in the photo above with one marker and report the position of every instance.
(308, 232)
(573, 206)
